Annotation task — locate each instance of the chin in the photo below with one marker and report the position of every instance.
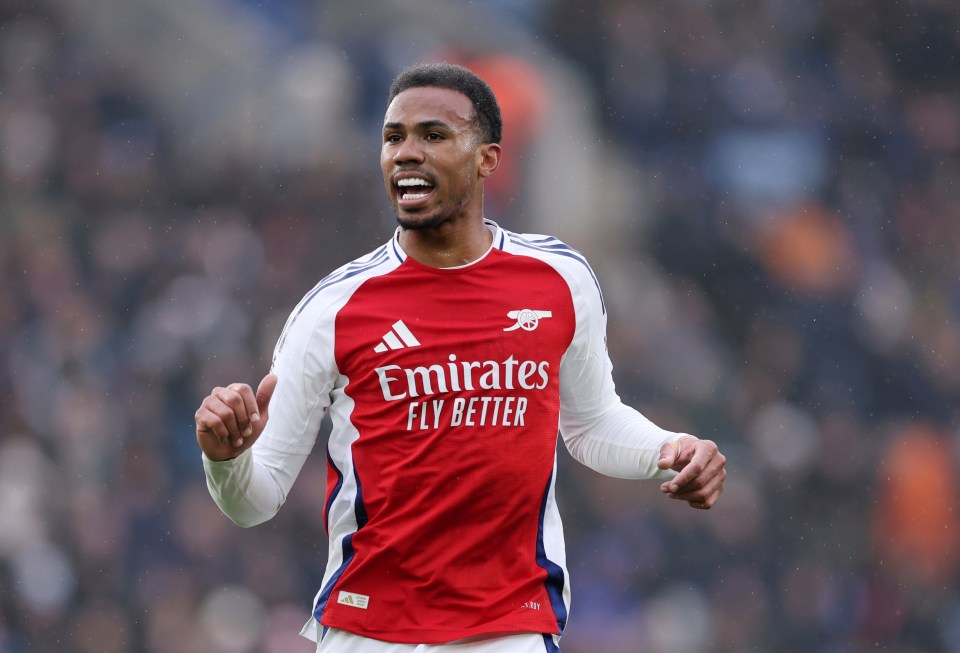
(420, 223)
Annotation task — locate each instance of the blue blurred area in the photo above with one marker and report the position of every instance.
(769, 191)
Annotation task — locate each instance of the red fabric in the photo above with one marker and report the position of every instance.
(453, 510)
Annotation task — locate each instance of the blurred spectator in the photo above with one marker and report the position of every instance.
(915, 531)
(770, 193)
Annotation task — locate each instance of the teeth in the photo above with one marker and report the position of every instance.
(413, 181)
(414, 196)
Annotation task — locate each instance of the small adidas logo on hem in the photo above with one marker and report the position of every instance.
(398, 337)
(355, 600)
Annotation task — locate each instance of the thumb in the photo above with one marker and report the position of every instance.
(668, 454)
(264, 392)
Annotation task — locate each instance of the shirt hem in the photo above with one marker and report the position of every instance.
(313, 629)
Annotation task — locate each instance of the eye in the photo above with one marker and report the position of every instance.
(434, 136)
(392, 138)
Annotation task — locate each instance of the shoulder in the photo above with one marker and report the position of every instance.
(567, 261)
(546, 248)
(342, 282)
(331, 293)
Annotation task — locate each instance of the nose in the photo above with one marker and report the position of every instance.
(408, 151)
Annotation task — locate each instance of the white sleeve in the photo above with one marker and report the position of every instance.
(246, 492)
(598, 429)
(251, 488)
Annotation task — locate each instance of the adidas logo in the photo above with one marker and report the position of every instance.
(355, 600)
(398, 337)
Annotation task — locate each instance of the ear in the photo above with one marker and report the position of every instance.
(489, 158)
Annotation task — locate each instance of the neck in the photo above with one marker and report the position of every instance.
(447, 245)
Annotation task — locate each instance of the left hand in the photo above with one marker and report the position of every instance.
(701, 471)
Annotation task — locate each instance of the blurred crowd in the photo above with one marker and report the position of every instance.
(774, 214)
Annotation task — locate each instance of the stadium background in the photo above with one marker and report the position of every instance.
(769, 191)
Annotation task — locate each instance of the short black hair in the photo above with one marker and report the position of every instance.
(456, 78)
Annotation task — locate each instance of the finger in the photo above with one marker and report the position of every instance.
(711, 499)
(682, 481)
(228, 416)
(210, 424)
(714, 469)
(707, 494)
(672, 453)
(212, 435)
(705, 461)
(245, 417)
(233, 397)
(264, 393)
(668, 453)
(708, 501)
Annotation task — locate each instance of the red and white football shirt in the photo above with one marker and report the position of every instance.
(446, 388)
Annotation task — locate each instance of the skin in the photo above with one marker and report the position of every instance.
(231, 419)
(431, 133)
(701, 471)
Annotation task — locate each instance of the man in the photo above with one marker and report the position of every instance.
(448, 358)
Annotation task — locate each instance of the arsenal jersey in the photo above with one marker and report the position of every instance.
(446, 388)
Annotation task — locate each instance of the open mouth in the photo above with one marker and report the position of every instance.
(412, 191)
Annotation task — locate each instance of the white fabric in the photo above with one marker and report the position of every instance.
(340, 641)
(597, 428)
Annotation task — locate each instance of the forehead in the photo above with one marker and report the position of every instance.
(428, 104)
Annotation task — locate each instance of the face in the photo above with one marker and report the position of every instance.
(432, 158)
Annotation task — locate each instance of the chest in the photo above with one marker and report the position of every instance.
(513, 315)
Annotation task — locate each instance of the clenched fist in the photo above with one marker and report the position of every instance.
(231, 419)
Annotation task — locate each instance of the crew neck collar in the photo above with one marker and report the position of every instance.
(497, 242)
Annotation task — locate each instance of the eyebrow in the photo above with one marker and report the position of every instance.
(426, 124)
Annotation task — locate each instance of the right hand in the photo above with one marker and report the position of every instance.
(231, 419)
